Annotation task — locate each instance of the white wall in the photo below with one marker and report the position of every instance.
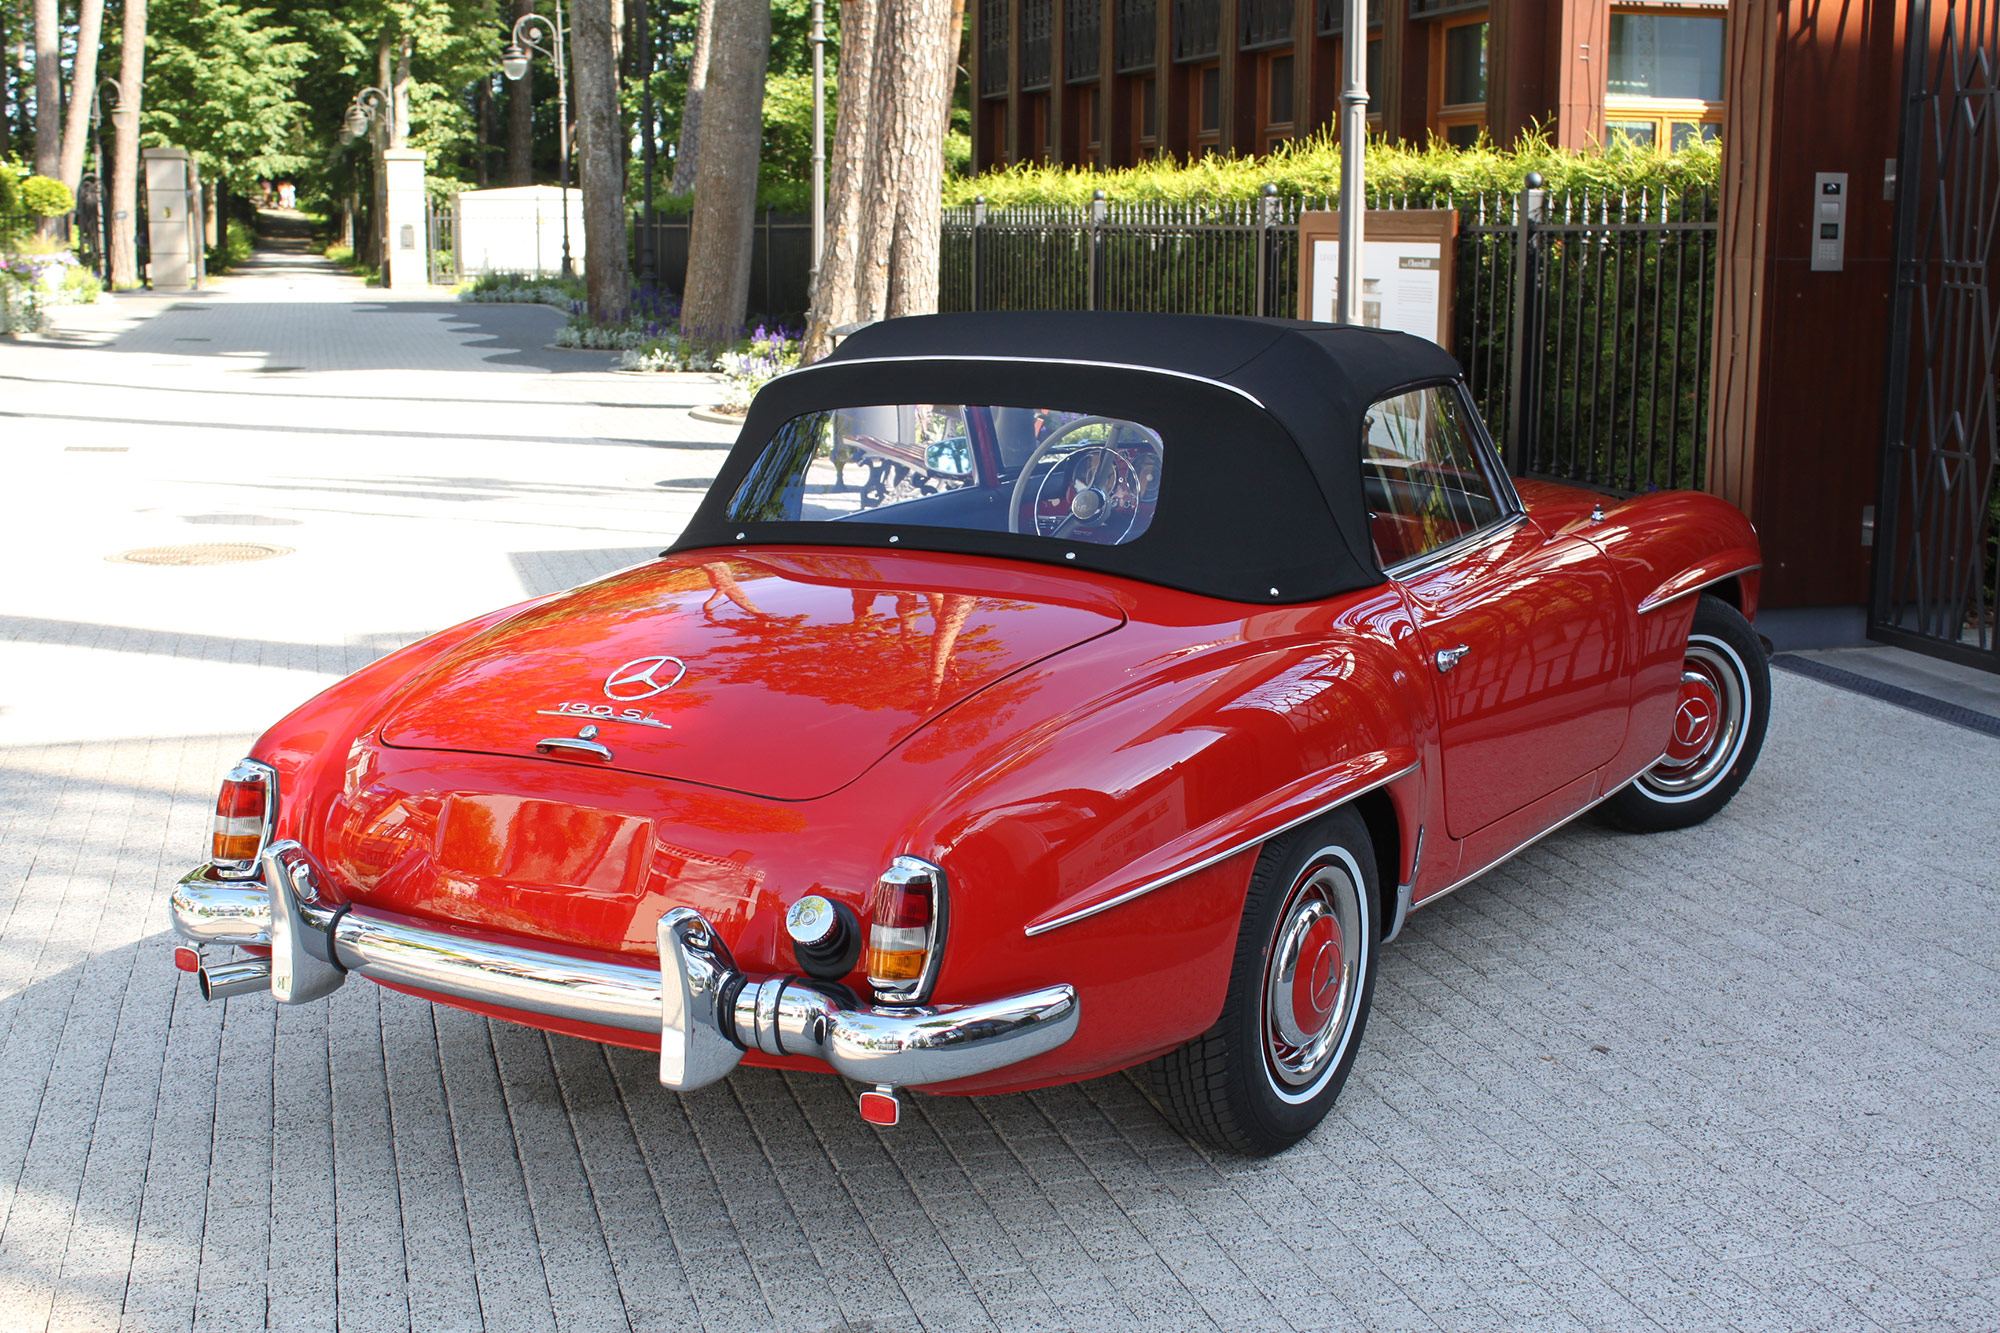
(517, 230)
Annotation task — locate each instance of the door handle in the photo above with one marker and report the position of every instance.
(1447, 658)
(574, 744)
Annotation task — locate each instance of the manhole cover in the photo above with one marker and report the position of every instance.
(201, 553)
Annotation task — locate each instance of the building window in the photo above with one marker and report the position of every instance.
(1665, 77)
(1037, 27)
(1674, 56)
(1277, 80)
(1083, 41)
(1465, 64)
(1458, 88)
(1197, 30)
(1211, 99)
(1146, 112)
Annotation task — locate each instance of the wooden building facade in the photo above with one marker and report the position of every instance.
(1114, 82)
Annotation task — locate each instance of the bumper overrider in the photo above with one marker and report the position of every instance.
(707, 1012)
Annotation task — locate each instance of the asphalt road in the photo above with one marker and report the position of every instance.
(1738, 1077)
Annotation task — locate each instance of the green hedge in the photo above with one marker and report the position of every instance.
(1310, 169)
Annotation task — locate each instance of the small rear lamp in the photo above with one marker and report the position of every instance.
(906, 931)
(245, 810)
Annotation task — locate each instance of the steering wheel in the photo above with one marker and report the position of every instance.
(1089, 500)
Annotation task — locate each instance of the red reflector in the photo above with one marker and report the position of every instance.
(905, 906)
(186, 959)
(879, 1107)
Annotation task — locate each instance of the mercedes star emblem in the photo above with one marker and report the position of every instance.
(644, 677)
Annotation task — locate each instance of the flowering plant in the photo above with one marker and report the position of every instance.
(770, 354)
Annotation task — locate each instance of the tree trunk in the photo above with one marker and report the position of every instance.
(595, 69)
(482, 164)
(82, 87)
(924, 46)
(521, 118)
(687, 157)
(48, 89)
(125, 148)
(725, 193)
(833, 287)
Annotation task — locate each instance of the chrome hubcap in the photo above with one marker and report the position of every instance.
(1313, 978)
(1708, 724)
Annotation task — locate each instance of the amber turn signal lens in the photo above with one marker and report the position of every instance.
(243, 813)
(906, 930)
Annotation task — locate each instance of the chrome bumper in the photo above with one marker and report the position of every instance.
(708, 1013)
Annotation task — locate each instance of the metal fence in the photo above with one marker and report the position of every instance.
(1613, 296)
(780, 262)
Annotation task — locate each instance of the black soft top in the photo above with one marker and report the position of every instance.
(1260, 496)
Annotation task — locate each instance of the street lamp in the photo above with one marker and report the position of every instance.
(97, 99)
(367, 104)
(534, 33)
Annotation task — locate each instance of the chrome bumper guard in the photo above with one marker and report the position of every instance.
(707, 1012)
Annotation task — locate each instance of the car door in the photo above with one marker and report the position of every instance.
(1522, 631)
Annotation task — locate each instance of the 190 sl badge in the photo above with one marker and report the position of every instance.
(640, 678)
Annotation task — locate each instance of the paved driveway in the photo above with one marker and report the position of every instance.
(1743, 1076)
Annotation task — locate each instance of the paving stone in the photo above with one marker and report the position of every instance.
(1795, 1124)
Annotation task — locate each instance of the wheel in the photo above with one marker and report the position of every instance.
(1094, 494)
(1269, 1070)
(1718, 732)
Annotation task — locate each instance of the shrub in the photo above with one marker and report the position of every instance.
(1310, 169)
(523, 289)
(46, 198)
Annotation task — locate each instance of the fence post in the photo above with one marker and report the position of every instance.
(1093, 292)
(1524, 364)
(1267, 200)
(978, 225)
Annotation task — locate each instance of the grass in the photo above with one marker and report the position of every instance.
(344, 256)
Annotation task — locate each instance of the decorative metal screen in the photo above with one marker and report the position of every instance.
(1938, 513)
(993, 45)
(1083, 40)
(1263, 23)
(1430, 9)
(1135, 35)
(1333, 14)
(1037, 28)
(1197, 29)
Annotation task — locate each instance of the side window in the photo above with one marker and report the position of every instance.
(1420, 471)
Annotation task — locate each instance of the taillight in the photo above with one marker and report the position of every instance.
(244, 813)
(906, 931)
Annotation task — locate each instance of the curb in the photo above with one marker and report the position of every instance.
(719, 418)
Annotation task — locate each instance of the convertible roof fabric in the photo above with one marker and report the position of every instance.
(1261, 420)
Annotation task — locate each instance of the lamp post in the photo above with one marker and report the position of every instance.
(648, 261)
(819, 132)
(534, 33)
(117, 92)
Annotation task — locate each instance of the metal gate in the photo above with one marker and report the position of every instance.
(1939, 512)
(444, 265)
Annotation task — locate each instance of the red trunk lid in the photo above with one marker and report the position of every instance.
(785, 675)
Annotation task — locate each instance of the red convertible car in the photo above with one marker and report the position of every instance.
(1194, 655)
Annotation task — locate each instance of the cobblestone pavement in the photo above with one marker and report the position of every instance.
(1739, 1077)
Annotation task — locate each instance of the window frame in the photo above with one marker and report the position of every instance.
(1511, 513)
(1447, 116)
(1664, 113)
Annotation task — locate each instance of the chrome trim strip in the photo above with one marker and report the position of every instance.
(1406, 890)
(1203, 864)
(1036, 361)
(1654, 603)
(1464, 880)
(1450, 551)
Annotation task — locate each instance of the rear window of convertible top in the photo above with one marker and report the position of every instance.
(1026, 470)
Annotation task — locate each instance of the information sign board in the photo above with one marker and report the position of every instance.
(1406, 269)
